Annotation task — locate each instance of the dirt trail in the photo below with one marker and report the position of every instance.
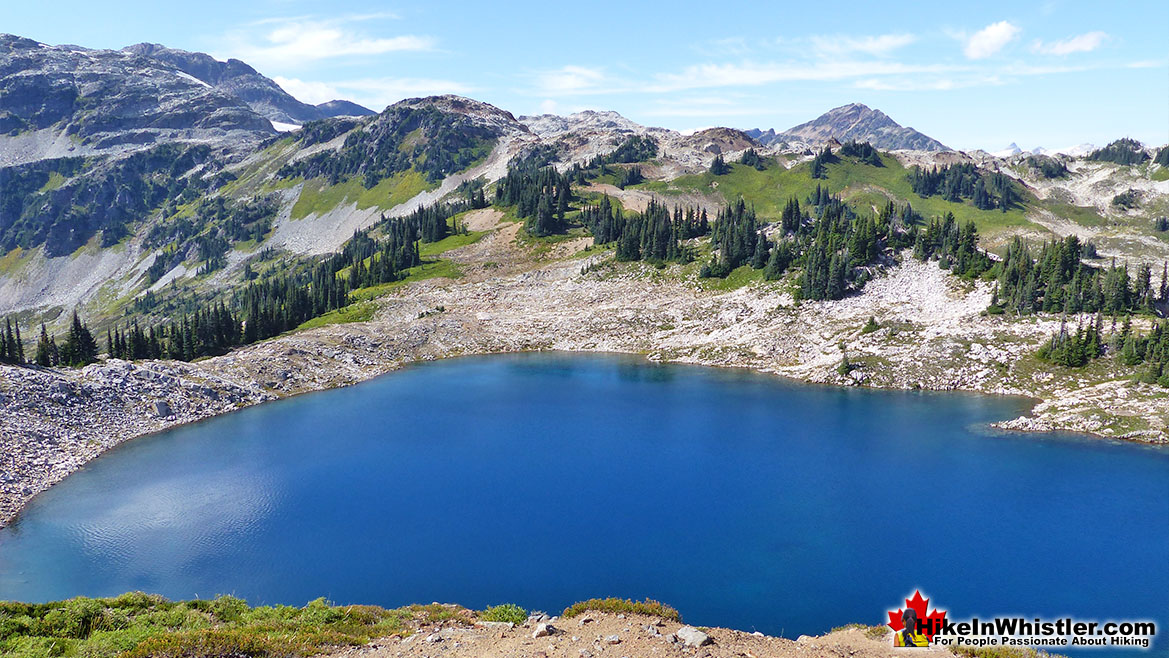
(635, 200)
(483, 219)
(617, 635)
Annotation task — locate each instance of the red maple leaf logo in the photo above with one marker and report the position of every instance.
(930, 623)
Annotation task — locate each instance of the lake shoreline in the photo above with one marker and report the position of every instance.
(936, 339)
(195, 415)
(393, 470)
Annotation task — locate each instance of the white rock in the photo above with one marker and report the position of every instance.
(693, 637)
(543, 630)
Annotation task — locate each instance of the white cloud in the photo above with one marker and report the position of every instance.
(991, 39)
(308, 91)
(548, 106)
(706, 106)
(571, 80)
(737, 46)
(754, 73)
(294, 41)
(1081, 43)
(920, 84)
(878, 46)
(374, 93)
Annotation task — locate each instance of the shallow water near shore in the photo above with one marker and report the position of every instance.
(743, 500)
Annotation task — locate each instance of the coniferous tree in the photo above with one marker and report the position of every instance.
(80, 348)
(751, 158)
(863, 151)
(47, 353)
(719, 166)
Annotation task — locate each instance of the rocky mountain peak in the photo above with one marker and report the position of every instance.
(855, 121)
(239, 79)
(587, 121)
(109, 99)
(719, 140)
(481, 114)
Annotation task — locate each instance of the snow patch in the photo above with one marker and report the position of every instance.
(1012, 149)
(192, 78)
(280, 126)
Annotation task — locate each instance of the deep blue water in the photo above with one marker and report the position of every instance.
(542, 479)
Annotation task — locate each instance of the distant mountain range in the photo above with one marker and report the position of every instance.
(1013, 149)
(95, 100)
(854, 121)
(238, 79)
(107, 158)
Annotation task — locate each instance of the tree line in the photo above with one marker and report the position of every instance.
(825, 237)
(863, 151)
(955, 247)
(263, 309)
(1058, 281)
(389, 144)
(541, 196)
(1125, 151)
(655, 235)
(961, 181)
(78, 347)
(837, 244)
(1131, 348)
(1151, 351)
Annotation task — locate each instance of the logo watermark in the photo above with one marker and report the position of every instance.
(918, 625)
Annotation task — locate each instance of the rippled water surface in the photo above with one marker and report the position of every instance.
(543, 479)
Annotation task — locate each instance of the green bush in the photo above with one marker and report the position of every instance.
(505, 612)
(647, 607)
(74, 618)
(319, 611)
(13, 625)
(138, 625)
(228, 608)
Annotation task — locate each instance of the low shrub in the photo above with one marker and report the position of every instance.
(1002, 652)
(615, 605)
(509, 612)
(136, 625)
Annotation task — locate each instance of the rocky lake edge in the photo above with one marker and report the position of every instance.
(932, 335)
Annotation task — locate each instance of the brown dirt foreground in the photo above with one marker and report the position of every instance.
(596, 634)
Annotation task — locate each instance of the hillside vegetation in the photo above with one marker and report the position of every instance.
(861, 184)
(138, 625)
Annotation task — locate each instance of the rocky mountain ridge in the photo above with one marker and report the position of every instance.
(108, 101)
(854, 121)
(63, 101)
(60, 102)
(240, 80)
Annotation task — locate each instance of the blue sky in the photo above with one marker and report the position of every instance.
(979, 75)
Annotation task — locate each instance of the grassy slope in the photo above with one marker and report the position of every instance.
(317, 197)
(450, 242)
(860, 184)
(363, 307)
